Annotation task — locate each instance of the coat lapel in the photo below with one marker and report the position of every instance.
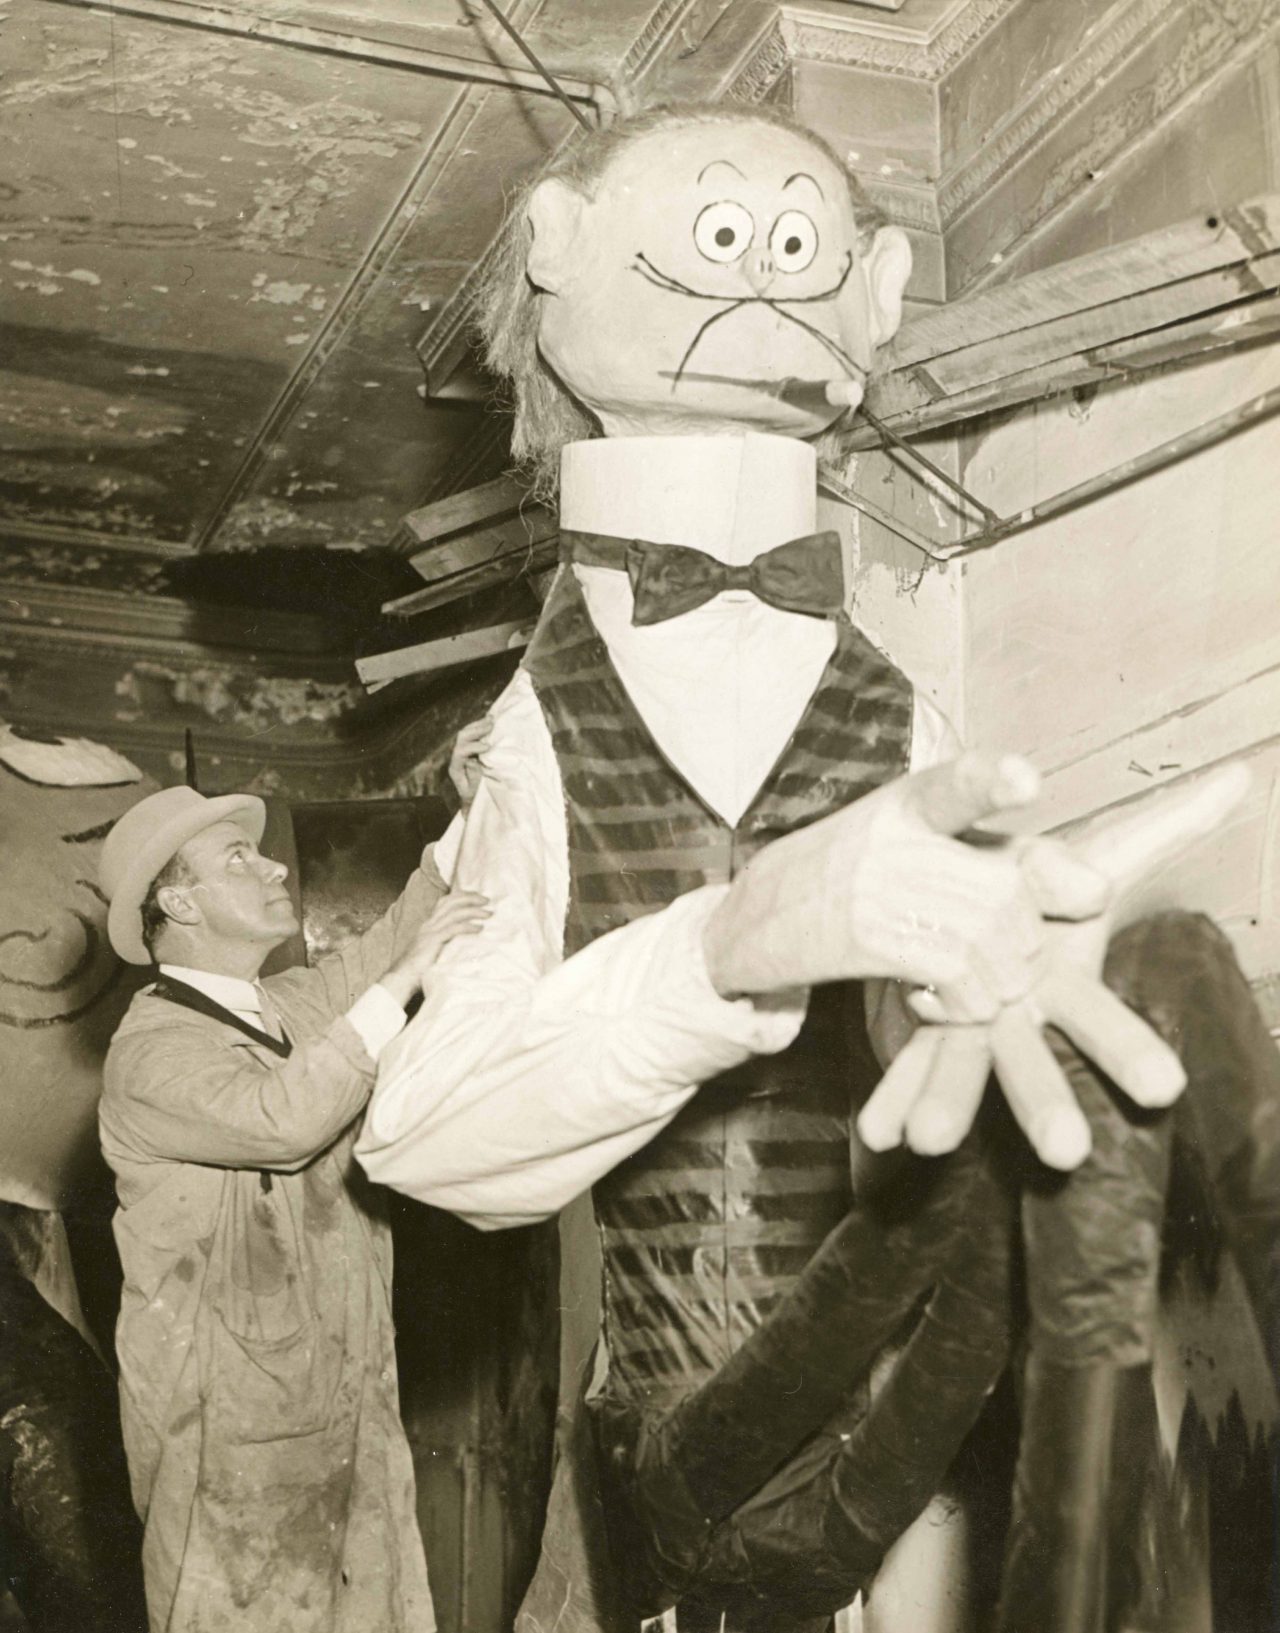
(178, 992)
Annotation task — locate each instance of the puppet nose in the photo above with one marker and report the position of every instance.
(759, 269)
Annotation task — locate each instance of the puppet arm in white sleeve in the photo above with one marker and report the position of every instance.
(524, 1077)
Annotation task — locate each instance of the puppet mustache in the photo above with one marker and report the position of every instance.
(663, 280)
(851, 368)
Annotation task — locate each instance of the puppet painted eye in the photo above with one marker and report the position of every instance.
(793, 241)
(724, 231)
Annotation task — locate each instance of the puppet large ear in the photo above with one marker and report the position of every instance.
(555, 209)
(886, 267)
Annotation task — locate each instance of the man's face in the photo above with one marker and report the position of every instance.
(239, 893)
(714, 280)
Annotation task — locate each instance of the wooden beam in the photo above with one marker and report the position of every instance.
(513, 539)
(451, 52)
(429, 656)
(1169, 295)
(528, 561)
(490, 502)
(1167, 344)
(1154, 261)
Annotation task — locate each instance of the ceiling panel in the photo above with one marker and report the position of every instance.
(182, 214)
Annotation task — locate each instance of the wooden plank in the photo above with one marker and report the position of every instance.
(490, 502)
(429, 656)
(463, 551)
(1233, 721)
(1248, 230)
(531, 563)
(1077, 332)
(911, 407)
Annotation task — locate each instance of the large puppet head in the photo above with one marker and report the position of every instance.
(691, 270)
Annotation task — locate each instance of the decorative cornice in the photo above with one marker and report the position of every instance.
(653, 42)
(120, 615)
(1125, 31)
(763, 69)
(884, 50)
(905, 204)
(1215, 41)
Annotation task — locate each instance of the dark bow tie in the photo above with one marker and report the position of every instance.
(804, 575)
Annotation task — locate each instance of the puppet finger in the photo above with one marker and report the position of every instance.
(1130, 847)
(926, 1005)
(1037, 1091)
(884, 1117)
(946, 1107)
(1114, 1038)
(1061, 884)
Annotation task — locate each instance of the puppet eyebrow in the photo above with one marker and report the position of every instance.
(714, 163)
(803, 175)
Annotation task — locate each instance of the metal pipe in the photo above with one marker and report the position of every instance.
(1155, 459)
(1000, 528)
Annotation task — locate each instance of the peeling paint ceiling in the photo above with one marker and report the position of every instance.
(216, 254)
(219, 251)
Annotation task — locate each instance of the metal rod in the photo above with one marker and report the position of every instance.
(1155, 459)
(545, 72)
(1001, 528)
(425, 58)
(918, 458)
(868, 507)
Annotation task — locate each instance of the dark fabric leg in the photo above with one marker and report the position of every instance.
(1093, 1259)
(815, 1534)
(72, 1538)
(1180, 972)
(693, 1469)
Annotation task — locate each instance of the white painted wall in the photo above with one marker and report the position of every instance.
(1131, 643)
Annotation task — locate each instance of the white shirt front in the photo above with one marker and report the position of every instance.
(375, 1015)
(525, 1077)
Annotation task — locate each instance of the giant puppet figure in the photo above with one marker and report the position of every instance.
(715, 819)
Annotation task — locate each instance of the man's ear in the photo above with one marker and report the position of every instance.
(176, 905)
(555, 210)
(886, 267)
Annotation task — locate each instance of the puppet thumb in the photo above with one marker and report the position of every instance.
(950, 798)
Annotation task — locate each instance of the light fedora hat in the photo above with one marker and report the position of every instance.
(147, 836)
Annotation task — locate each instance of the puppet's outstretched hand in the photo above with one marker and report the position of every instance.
(931, 1093)
(884, 888)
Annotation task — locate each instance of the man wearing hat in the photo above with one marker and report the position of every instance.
(255, 1341)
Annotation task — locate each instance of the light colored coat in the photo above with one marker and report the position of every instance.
(257, 1361)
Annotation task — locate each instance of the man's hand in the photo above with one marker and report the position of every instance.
(461, 913)
(884, 888)
(466, 769)
(932, 1091)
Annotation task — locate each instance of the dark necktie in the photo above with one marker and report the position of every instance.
(805, 575)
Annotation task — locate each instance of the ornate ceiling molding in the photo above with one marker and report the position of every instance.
(886, 49)
(652, 44)
(758, 76)
(1128, 29)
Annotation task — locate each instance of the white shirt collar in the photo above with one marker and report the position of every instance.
(732, 496)
(228, 990)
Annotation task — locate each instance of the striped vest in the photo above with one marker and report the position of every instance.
(706, 1228)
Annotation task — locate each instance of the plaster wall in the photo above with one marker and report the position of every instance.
(1127, 645)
